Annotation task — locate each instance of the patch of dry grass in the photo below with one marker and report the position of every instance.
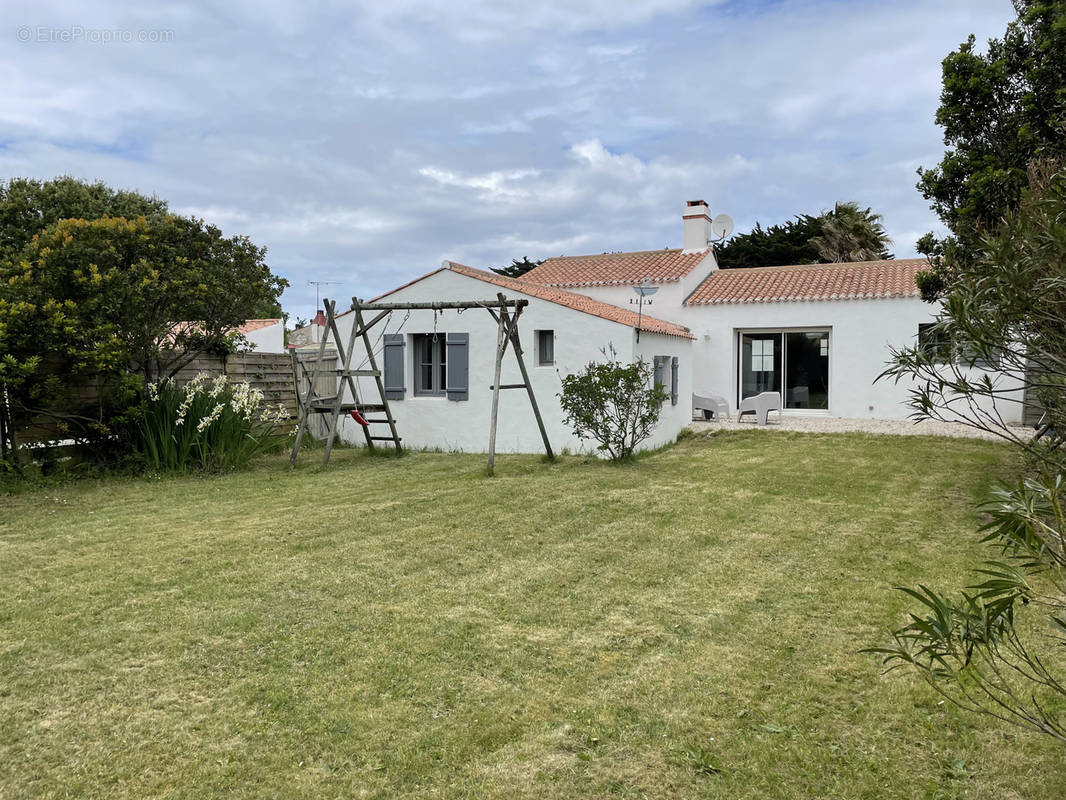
(410, 628)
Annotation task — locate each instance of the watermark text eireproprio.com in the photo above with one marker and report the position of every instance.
(47, 34)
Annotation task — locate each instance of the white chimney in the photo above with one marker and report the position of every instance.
(697, 221)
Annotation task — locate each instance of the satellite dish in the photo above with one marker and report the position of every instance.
(722, 226)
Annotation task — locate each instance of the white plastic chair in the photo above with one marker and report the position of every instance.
(710, 404)
(760, 405)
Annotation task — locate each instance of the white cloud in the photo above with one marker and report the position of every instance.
(364, 143)
(497, 185)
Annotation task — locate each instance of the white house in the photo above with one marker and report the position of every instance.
(818, 335)
(439, 366)
(264, 335)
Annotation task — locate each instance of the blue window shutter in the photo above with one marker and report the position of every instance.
(458, 376)
(393, 368)
(659, 370)
(673, 381)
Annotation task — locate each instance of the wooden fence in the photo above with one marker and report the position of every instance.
(271, 373)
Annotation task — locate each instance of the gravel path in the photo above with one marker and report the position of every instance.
(889, 427)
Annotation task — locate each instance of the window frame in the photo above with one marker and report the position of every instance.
(825, 332)
(938, 347)
(437, 362)
(540, 336)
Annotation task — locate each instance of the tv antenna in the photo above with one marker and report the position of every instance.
(644, 293)
(318, 289)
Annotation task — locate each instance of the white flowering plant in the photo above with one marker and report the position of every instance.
(209, 423)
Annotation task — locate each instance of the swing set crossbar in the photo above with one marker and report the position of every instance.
(434, 306)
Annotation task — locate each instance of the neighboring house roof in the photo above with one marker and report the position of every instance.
(611, 269)
(578, 302)
(250, 325)
(256, 324)
(860, 280)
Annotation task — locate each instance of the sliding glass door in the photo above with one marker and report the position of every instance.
(795, 364)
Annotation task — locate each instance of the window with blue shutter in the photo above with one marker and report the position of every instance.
(393, 367)
(458, 374)
(431, 364)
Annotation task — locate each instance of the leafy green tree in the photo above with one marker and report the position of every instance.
(773, 246)
(847, 233)
(517, 268)
(615, 405)
(1007, 314)
(850, 233)
(999, 111)
(985, 648)
(28, 206)
(113, 302)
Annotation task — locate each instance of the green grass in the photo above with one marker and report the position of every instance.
(687, 625)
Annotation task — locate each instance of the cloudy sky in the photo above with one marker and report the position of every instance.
(363, 143)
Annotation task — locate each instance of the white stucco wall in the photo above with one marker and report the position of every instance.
(861, 332)
(669, 298)
(436, 422)
(672, 418)
(270, 339)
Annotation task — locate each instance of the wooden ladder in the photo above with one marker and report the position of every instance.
(336, 404)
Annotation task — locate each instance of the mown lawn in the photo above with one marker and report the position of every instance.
(410, 628)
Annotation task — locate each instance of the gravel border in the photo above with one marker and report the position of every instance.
(885, 427)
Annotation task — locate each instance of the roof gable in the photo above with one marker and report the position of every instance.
(862, 280)
(577, 302)
(616, 269)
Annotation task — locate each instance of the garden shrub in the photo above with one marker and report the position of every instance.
(616, 405)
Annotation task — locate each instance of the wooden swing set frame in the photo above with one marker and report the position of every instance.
(505, 312)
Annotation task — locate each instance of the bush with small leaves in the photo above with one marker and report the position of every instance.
(615, 405)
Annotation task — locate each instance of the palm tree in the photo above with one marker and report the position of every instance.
(850, 233)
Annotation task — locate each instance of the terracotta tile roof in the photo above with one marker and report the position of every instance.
(578, 302)
(609, 269)
(859, 280)
(250, 325)
(255, 324)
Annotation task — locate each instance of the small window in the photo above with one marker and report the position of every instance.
(933, 341)
(545, 348)
(431, 368)
(942, 348)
